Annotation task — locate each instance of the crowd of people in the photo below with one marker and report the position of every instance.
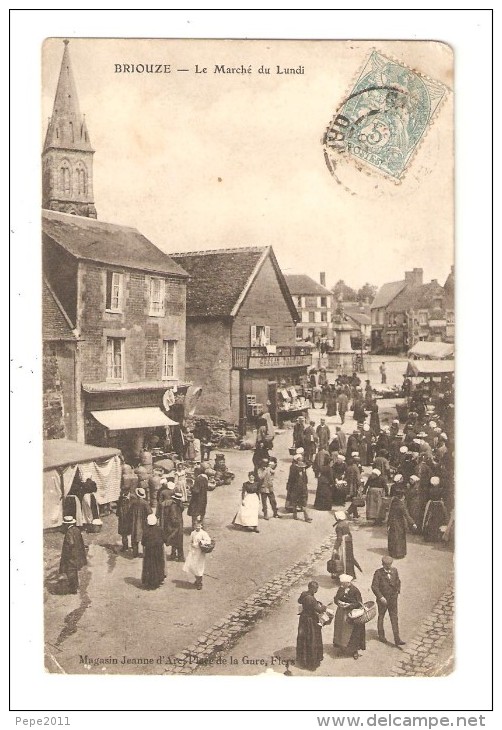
(401, 474)
(404, 477)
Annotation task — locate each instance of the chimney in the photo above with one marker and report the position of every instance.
(322, 278)
(415, 277)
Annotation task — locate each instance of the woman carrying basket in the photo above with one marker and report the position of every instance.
(309, 651)
(342, 559)
(348, 635)
(196, 559)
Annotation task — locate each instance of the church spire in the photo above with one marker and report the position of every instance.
(67, 153)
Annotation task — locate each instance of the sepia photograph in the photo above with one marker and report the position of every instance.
(248, 330)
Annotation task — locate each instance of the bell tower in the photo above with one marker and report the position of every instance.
(67, 184)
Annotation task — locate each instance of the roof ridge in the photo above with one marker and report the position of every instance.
(205, 252)
(92, 221)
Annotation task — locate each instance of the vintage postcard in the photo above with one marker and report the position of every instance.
(248, 357)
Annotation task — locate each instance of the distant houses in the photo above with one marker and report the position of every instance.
(409, 311)
(314, 302)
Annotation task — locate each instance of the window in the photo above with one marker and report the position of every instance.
(298, 301)
(157, 295)
(311, 316)
(114, 358)
(65, 179)
(169, 359)
(80, 179)
(113, 291)
(260, 335)
(311, 302)
(324, 302)
(422, 318)
(324, 316)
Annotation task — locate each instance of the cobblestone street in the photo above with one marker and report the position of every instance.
(248, 605)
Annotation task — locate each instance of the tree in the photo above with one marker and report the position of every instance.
(347, 293)
(367, 293)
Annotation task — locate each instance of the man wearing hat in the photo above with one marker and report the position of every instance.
(198, 500)
(297, 488)
(386, 586)
(310, 443)
(170, 516)
(72, 553)
(124, 514)
(266, 474)
(298, 430)
(323, 435)
(140, 509)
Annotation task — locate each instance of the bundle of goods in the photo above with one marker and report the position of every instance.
(222, 474)
(223, 435)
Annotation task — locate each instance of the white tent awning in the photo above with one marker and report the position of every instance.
(127, 418)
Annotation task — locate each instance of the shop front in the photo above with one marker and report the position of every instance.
(272, 381)
(134, 416)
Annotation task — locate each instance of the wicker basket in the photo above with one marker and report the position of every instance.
(369, 611)
(207, 547)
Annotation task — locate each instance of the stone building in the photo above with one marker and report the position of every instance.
(409, 311)
(120, 296)
(241, 332)
(59, 369)
(314, 303)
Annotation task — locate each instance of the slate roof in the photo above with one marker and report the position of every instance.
(219, 279)
(387, 293)
(56, 324)
(359, 317)
(416, 297)
(92, 240)
(303, 284)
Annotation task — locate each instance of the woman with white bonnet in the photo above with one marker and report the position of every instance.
(375, 489)
(348, 636)
(435, 514)
(343, 549)
(196, 558)
(154, 567)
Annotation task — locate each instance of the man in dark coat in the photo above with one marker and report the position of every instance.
(323, 434)
(198, 500)
(343, 404)
(124, 515)
(310, 443)
(298, 430)
(72, 553)
(297, 487)
(352, 444)
(386, 586)
(140, 509)
(170, 514)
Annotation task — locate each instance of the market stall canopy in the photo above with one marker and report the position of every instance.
(433, 350)
(127, 418)
(62, 452)
(425, 368)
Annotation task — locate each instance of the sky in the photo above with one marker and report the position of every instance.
(205, 160)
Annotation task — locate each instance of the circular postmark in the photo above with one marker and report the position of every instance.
(380, 124)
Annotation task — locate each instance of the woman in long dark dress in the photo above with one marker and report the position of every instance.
(348, 636)
(343, 549)
(399, 518)
(309, 651)
(154, 567)
(324, 493)
(435, 514)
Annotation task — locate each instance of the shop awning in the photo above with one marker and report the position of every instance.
(424, 368)
(61, 452)
(126, 418)
(433, 350)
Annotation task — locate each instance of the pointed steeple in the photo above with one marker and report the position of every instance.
(67, 154)
(67, 128)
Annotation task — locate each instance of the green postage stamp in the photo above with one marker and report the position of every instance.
(385, 116)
